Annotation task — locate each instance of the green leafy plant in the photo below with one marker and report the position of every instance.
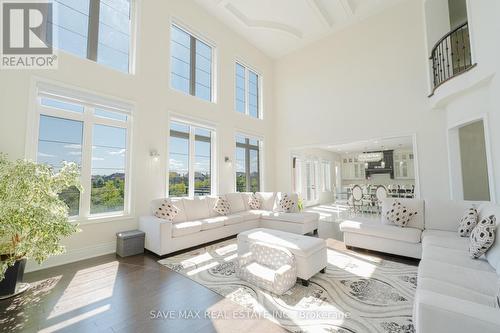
(33, 218)
(300, 204)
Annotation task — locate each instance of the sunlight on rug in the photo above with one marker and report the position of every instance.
(358, 292)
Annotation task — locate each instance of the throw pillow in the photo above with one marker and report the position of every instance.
(222, 206)
(482, 237)
(286, 203)
(167, 211)
(399, 214)
(254, 202)
(468, 222)
(497, 303)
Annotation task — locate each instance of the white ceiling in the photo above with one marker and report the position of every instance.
(372, 145)
(279, 27)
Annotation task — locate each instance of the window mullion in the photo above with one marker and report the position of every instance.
(86, 168)
(191, 160)
(247, 165)
(93, 29)
(247, 91)
(192, 74)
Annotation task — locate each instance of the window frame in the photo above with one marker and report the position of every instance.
(326, 173)
(191, 155)
(260, 112)
(90, 101)
(192, 66)
(93, 37)
(247, 146)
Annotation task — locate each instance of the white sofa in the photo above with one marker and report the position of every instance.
(455, 293)
(197, 223)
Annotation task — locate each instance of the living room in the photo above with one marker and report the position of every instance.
(180, 102)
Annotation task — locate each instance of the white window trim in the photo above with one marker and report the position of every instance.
(260, 80)
(90, 101)
(261, 158)
(193, 32)
(192, 123)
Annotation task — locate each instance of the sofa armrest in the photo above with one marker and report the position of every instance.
(158, 232)
(283, 270)
(245, 259)
(439, 313)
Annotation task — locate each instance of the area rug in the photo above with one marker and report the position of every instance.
(358, 293)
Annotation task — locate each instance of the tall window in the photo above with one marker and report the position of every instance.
(190, 160)
(247, 164)
(96, 139)
(99, 30)
(191, 64)
(326, 171)
(247, 91)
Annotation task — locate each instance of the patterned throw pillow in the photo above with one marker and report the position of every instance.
(482, 237)
(167, 211)
(286, 203)
(468, 222)
(222, 206)
(254, 202)
(399, 214)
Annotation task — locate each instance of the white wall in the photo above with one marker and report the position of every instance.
(154, 100)
(475, 94)
(367, 81)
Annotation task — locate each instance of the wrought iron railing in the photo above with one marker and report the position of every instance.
(451, 55)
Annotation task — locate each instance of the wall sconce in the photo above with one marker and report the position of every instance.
(154, 154)
(227, 159)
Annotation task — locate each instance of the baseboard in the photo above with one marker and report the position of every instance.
(73, 255)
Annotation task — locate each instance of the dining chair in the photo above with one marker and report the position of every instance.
(356, 199)
(381, 194)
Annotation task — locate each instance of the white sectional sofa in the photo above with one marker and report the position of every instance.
(197, 223)
(455, 293)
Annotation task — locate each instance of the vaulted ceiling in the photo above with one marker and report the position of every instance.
(279, 27)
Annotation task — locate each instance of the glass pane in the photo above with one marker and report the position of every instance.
(203, 69)
(110, 115)
(240, 88)
(54, 103)
(241, 177)
(180, 59)
(108, 169)
(202, 167)
(240, 139)
(114, 34)
(253, 93)
(70, 24)
(254, 171)
(61, 140)
(178, 166)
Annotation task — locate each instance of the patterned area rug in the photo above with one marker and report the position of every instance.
(358, 292)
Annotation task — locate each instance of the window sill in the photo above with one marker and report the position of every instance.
(102, 219)
(183, 93)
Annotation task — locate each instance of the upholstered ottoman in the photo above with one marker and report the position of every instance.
(309, 252)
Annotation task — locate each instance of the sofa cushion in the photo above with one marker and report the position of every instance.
(477, 280)
(290, 217)
(249, 215)
(211, 202)
(446, 239)
(444, 214)
(453, 290)
(457, 257)
(268, 200)
(482, 237)
(233, 219)
(236, 202)
(376, 229)
(213, 222)
(468, 222)
(493, 254)
(247, 196)
(185, 228)
(196, 208)
(414, 205)
(180, 217)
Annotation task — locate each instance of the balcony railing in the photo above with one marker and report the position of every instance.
(451, 55)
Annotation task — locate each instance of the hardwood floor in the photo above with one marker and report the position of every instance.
(133, 294)
(112, 294)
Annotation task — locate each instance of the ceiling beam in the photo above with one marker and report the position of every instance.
(349, 7)
(321, 12)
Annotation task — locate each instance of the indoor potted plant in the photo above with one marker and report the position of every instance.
(33, 218)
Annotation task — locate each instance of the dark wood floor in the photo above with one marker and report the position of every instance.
(134, 294)
(112, 294)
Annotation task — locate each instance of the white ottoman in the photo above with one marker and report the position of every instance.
(310, 252)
